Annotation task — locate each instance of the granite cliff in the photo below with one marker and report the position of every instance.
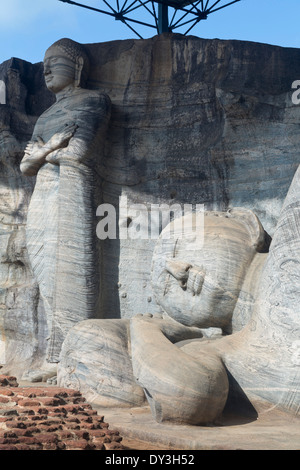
(194, 121)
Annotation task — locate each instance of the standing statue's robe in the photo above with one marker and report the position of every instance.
(61, 223)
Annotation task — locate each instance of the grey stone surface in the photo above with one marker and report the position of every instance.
(264, 357)
(187, 377)
(22, 315)
(193, 121)
(274, 430)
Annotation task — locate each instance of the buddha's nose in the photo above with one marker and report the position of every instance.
(46, 69)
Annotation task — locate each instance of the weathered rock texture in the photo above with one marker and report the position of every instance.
(192, 380)
(264, 357)
(193, 121)
(22, 321)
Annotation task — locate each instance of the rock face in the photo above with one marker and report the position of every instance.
(193, 122)
(22, 322)
(264, 357)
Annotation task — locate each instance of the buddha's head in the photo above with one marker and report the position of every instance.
(198, 284)
(66, 65)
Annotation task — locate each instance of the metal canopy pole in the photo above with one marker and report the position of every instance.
(163, 20)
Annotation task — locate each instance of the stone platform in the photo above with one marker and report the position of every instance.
(273, 430)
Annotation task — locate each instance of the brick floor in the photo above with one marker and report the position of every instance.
(51, 418)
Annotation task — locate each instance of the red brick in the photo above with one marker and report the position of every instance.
(57, 415)
(28, 440)
(65, 434)
(51, 401)
(48, 421)
(33, 392)
(3, 381)
(82, 434)
(38, 418)
(72, 419)
(71, 409)
(26, 412)
(72, 426)
(64, 391)
(3, 440)
(50, 446)
(78, 400)
(80, 444)
(4, 419)
(91, 426)
(23, 432)
(15, 433)
(53, 392)
(86, 406)
(111, 432)
(31, 425)
(59, 409)
(113, 446)
(23, 447)
(87, 413)
(4, 400)
(15, 390)
(28, 402)
(49, 429)
(29, 446)
(8, 381)
(39, 410)
(98, 442)
(102, 439)
(3, 433)
(16, 424)
(7, 392)
(11, 378)
(97, 433)
(8, 447)
(86, 419)
(48, 437)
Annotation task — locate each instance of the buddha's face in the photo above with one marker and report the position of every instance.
(199, 285)
(59, 70)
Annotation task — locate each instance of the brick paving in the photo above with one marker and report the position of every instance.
(51, 418)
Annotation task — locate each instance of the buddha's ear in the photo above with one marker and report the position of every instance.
(78, 71)
(259, 237)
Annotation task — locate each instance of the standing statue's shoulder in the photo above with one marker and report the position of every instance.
(94, 101)
(97, 97)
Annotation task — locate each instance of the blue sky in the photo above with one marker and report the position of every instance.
(29, 27)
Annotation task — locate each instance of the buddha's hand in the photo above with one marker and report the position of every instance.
(33, 146)
(189, 277)
(61, 139)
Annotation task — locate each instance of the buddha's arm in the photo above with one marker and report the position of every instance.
(37, 151)
(179, 387)
(34, 157)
